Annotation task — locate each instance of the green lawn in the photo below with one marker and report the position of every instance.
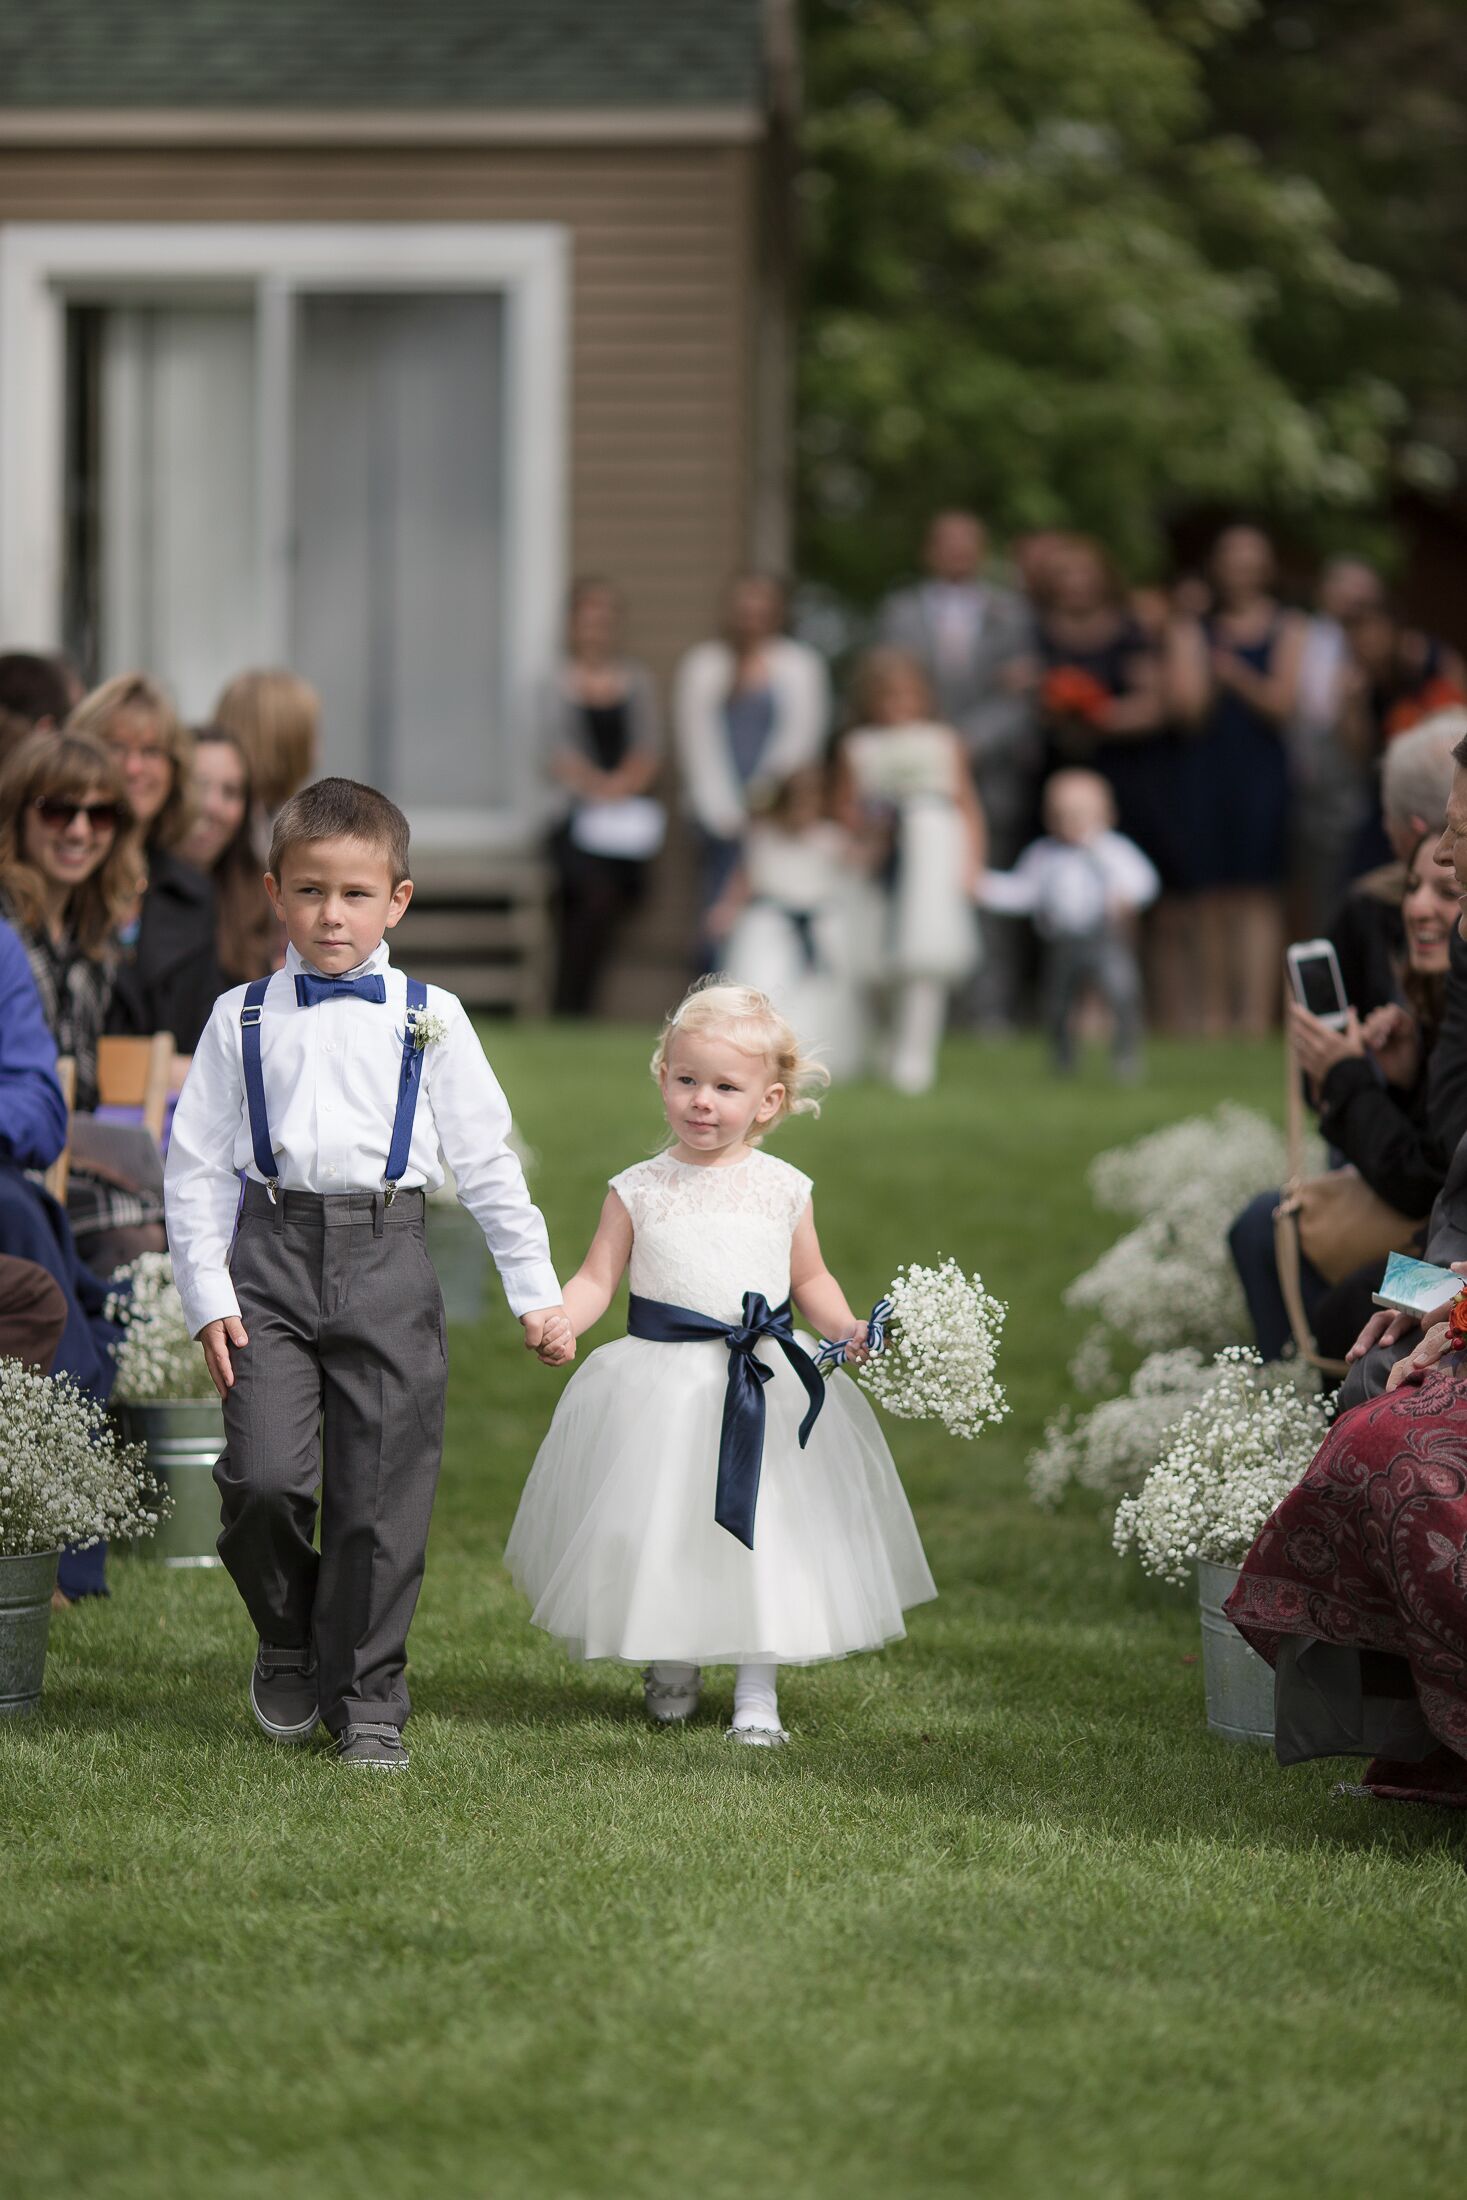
(1004, 1920)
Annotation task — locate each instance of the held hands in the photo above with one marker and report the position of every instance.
(1410, 1370)
(550, 1335)
(216, 1337)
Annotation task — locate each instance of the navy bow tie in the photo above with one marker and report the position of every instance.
(309, 989)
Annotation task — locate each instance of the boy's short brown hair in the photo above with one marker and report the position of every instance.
(342, 809)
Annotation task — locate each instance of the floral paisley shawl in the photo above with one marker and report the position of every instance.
(1369, 1551)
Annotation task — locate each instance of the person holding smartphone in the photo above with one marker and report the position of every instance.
(1367, 1077)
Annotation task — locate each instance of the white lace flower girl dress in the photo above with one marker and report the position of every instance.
(615, 1542)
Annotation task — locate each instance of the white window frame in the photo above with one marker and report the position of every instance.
(46, 266)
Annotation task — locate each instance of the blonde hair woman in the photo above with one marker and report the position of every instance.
(276, 718)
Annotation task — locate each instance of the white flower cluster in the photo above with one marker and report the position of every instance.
(64, 1477)
(156, 1357)
(1170, 1281)
(427, 1027)
(1113, 1447)
(942, 1344)
(1227, 1464)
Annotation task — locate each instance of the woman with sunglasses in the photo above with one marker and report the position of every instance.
(167, 977)
(69, 861)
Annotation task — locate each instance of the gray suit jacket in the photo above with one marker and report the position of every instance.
(999, 728)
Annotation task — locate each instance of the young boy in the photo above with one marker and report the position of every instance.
(332, 1086)
(1082, 884)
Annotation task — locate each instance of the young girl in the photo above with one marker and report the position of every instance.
(906, 790)
(659, 1525)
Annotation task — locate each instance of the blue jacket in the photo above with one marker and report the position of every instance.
(32, 1111)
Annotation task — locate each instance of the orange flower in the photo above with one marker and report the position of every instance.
(1436, 695)
(1070, 691)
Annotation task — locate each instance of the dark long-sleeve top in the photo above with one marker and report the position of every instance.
(172, 979)
(32, 1110)
(1385, 1132)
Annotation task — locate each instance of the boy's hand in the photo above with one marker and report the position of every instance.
(549, 1334)
(216, 1338)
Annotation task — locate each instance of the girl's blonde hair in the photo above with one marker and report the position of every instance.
(136, 692)
(754, 1025)
(276, 718)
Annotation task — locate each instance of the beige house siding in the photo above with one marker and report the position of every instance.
(664, 299)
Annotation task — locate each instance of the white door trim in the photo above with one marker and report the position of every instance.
(44, 266)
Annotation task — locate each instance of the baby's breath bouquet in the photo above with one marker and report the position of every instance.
(1226, 1465)
(941, 1348)
(156, 1357)
(64, 1476)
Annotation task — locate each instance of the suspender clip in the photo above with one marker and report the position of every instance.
(249, 1017)
(390, 1190)
(272, 1186)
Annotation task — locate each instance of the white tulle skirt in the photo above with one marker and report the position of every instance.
(616, 1546)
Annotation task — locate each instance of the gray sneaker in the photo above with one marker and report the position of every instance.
(381, 1746)
(284, 1693)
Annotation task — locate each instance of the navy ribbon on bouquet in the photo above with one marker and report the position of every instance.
(741, 1440)
(833, 1353)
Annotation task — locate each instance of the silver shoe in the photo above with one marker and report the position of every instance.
(671, 1703)
(757, 1737)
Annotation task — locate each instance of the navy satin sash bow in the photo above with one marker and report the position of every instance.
(741, 1440)
(310, 990)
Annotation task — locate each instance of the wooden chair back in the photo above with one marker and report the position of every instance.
(136, 1073)
(56, 1176)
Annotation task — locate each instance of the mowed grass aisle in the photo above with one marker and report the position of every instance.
(1002, 1921)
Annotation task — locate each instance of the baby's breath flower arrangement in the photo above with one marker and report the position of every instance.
(942, 1341)
(1170, 1282)
(1229, 1461)
(64, 1476)
(156, 1357)
(1112, 1448)
(428, 1028)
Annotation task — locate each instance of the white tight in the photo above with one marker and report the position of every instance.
(756, 1695)
(918, 1015)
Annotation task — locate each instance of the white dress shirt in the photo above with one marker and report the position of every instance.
(1071, 891)
(331, 1076)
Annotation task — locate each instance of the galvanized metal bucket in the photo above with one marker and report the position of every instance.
(184, 1437)
(1239, 1683)
(25, 1623)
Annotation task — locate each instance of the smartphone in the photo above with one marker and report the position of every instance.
(1314, 973)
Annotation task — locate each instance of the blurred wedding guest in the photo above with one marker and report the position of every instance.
(904, 791)
(248, 941)
(1102, 697)
(167, 977)
(1083, 884)
(1331, 790)
(276, 718)
(748, 709)
(69, 862)
(975, 646)
(1234, 677)
(601, 744)
(795, 919)
(51, 1305)
(1396, 677)
(35, 690)
(1366, 928)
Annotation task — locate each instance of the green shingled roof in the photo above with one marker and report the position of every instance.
(378, 53)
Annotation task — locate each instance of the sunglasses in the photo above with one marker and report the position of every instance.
(57, 812)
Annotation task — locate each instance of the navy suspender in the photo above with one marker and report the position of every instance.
(409, 1079)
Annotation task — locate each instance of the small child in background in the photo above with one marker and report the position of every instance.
(1083, 884)
(791, 919)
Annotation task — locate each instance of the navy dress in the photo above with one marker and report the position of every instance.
(1142, 769)
(1236, 784)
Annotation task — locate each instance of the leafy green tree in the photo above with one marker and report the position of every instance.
(1040, 280)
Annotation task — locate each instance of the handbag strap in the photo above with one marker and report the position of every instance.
(1293, 1109)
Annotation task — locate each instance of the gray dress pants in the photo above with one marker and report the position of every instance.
(339, 1393)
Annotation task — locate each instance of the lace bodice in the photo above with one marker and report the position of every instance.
(702, 1237)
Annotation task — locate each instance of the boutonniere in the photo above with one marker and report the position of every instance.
(426, 1028)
